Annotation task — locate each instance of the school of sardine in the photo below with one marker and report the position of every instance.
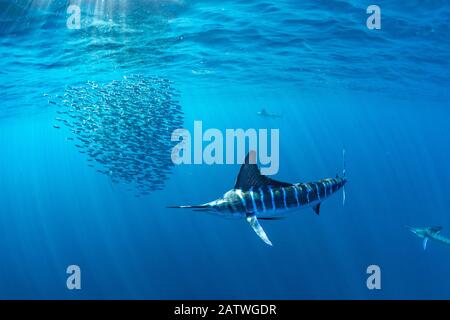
(124, 128)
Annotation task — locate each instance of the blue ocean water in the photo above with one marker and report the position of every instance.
(381, 94)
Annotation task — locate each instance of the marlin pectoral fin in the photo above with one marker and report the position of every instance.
(425, 241)
(251, 218)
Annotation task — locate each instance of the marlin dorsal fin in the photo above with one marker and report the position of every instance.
(436, 230)
(250, 176)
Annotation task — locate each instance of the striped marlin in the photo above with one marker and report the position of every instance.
(432, 233)
(258, 197)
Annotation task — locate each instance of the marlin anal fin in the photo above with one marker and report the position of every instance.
(253, 221)
(425, 241)
(250, 176)
(316, 208)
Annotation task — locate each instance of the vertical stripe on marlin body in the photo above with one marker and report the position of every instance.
(256, 196)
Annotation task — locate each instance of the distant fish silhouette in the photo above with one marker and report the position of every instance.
(265, 114)
(432, 233)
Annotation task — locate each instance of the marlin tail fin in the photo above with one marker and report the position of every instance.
(201, 207)
(188, 207)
